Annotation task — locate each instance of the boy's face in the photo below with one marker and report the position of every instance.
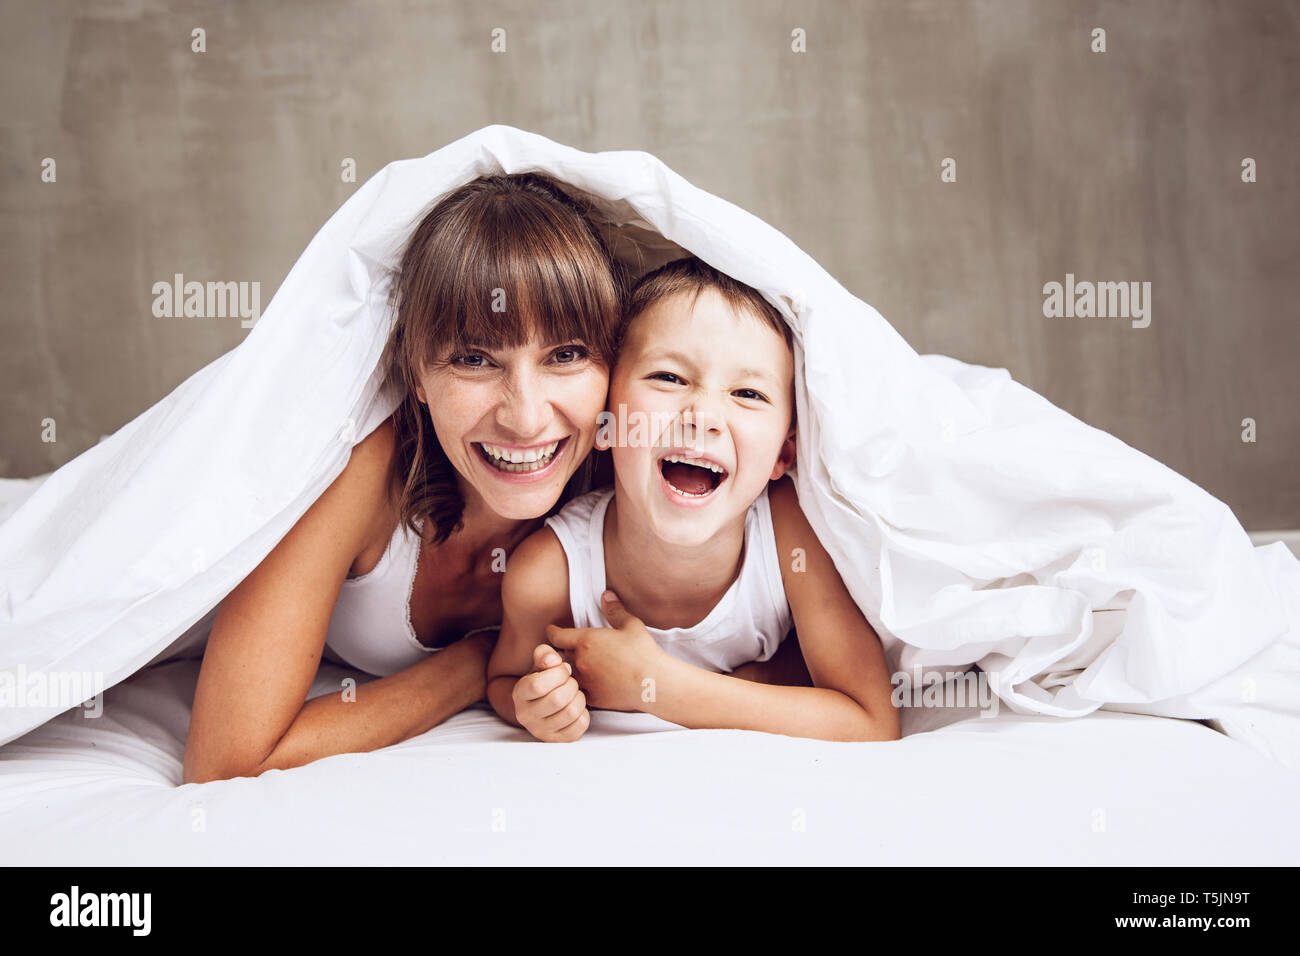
(700, 382)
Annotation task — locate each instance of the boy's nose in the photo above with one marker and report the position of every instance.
(701, 419)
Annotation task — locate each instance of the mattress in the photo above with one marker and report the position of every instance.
(959, 788)
(972, 521)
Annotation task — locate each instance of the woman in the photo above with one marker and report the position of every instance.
(507, 301)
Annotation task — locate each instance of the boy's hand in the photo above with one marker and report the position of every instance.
(617, 665)
(548, 702)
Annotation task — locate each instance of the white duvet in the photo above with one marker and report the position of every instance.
(960, 789)
(973, 522)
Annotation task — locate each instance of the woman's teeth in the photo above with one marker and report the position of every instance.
(518, 460)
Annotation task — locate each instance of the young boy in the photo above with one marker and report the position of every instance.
(701, 539)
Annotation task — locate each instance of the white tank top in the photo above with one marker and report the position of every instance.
(748, 624)
(370, 628)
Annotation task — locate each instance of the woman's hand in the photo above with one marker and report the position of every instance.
(616, 667)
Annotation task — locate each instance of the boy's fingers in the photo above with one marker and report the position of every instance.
(554, 703)
(538, 684)
(575, 729)
(570, 715)
(544, 656)
(564, 638)
(616, 614)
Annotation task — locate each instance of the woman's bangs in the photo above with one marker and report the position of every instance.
(530, 276)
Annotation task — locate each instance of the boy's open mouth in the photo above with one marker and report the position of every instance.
(691, 477)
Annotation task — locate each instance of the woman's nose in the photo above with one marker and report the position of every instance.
(524, 410)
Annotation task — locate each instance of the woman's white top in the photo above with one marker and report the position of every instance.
(370, 628)
(748, 624)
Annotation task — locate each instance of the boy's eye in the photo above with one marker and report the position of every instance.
(665, 377)
(569, 354)
(749, 393)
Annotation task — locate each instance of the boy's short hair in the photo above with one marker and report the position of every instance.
(693, 275)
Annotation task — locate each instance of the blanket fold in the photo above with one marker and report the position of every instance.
(973, 522)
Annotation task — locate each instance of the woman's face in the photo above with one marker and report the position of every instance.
(516, 423)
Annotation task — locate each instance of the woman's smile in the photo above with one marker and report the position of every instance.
(522, 463)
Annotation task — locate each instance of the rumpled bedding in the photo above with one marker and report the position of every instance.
(973, 522)
(964, 787)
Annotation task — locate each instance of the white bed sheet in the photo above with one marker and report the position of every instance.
(972, 521)
(1109, 788)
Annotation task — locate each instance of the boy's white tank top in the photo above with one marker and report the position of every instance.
(748, 624)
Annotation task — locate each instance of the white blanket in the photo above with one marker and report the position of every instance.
(961, 789)
(972, 521)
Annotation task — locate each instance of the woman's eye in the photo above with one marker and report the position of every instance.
(470, 360)
(569, 354)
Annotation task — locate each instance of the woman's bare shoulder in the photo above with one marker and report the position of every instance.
(363, 493)
(275, 622)
(375, 452)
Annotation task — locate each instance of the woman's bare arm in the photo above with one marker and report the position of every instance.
(265, 647)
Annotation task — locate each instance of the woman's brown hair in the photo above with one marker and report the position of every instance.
(516, 238)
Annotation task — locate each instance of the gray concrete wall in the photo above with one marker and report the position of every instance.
(1123, 165)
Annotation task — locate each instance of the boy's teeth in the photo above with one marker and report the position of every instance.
(517, 460)
(698, 462)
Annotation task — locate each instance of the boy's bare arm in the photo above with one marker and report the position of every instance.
(851, 699)
(529, 685)
(840, 647)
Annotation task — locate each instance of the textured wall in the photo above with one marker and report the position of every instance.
(1115, 166)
